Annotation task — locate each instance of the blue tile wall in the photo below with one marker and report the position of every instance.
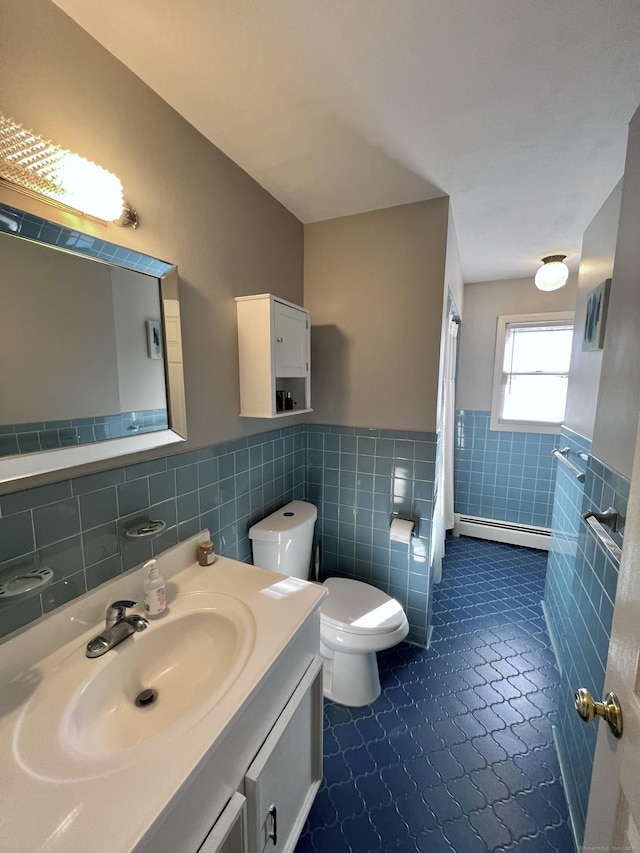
(357, 478)
(76, 527)
(507, 476)
(579, 598)
(14, 221)
(32, 438)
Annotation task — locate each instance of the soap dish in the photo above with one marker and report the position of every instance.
(144, 529)
(25, 583)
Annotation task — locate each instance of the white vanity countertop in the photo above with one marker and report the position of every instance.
(110, 811)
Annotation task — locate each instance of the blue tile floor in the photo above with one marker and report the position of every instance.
(457, 753)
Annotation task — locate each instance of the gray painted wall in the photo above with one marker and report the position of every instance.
(47, 297)
(596, 264)
(136, 299)
(374, 284)
(197, 209)
(484, 302)
(614, 434)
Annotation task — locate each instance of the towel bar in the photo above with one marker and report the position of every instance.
(592, 520)
(562, 456)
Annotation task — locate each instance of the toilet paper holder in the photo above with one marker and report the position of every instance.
(401, 516)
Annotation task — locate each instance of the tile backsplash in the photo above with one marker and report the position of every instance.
(76, 527)
(356, 477)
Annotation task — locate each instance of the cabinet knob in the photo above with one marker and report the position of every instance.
(279, 340)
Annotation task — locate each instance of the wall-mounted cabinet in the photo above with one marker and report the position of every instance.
(274, 357)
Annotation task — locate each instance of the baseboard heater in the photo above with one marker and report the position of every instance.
(502, 531)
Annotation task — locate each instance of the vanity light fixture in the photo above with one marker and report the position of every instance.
(553, 273)
(36, 166)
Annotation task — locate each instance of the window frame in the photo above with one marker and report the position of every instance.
(504, 320)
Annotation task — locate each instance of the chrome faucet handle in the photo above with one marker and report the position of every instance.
(116, 611)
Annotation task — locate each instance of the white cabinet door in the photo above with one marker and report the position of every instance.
(228, 833)
(290, 330)
(283, 779)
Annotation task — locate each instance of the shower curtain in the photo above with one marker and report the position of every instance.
(443, 511)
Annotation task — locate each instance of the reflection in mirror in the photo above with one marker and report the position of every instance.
(97, 323)
(90, 347)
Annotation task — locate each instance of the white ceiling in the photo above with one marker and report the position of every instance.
(516, 109)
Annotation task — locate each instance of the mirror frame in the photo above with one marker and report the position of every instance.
(33, 228)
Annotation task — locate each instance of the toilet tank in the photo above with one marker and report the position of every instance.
(283, 540)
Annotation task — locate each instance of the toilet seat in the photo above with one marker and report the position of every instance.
(355, 607)
(356, 621)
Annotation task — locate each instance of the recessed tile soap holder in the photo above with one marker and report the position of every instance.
(25, 583)
(144, 528)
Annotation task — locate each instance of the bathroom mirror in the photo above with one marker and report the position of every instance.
(90, 349)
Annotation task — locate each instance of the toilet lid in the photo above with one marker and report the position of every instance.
(360, 608)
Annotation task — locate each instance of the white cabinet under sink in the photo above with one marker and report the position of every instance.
(254, 791)
(282, 781)
(274, 357)
(228, 834)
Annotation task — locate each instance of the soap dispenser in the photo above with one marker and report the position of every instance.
(155, 591)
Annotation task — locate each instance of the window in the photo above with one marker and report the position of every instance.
(531, 375)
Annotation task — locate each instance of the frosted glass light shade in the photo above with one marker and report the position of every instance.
(38, 166)
(553, 273)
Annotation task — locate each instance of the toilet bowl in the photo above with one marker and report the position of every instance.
(357, 619)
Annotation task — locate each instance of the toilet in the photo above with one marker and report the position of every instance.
(356, 621)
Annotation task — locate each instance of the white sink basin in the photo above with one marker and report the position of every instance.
(83, 720)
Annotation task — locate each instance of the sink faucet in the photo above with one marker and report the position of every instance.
(119, 626)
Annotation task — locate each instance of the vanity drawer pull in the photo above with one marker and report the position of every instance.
(273, 835)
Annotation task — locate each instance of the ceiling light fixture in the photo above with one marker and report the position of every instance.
(553, 273)
(36, 166)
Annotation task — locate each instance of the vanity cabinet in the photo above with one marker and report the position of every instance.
(284, 777)
(274, 357)
(260, 779)
(281, 782)
(228, 834)
(233, 770)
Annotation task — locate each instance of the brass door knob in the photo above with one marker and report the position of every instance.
(588, 709)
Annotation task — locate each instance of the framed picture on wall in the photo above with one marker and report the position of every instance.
(153, 339)
(596, 319)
